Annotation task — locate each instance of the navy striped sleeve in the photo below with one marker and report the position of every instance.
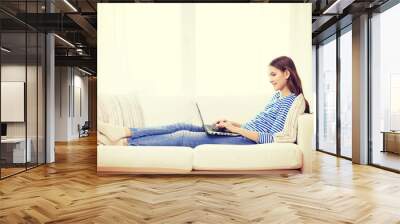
(265, 137)
(260, 116)
(278, 124)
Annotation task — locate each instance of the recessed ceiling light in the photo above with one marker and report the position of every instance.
(70, 5)
(337, 7)
(64, 40)
(84, 71)
(5, 50)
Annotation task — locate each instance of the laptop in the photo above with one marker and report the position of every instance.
(213, 129)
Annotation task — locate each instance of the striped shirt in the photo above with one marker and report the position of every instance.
(272, 119)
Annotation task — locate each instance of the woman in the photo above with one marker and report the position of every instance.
(286, 82)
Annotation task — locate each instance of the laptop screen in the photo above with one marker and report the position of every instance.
(201, 117)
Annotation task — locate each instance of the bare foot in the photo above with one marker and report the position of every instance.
(104, 140)
(114, 133)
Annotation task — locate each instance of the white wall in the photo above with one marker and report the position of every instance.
(139, 48)
(200, 49)
(16, 72)
(61, 103)
(80, 83)
(68, 82)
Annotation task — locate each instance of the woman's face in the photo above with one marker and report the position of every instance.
(278, 78)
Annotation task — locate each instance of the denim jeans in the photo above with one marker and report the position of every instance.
(181, 134)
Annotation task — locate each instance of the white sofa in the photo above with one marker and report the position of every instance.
(143, 111)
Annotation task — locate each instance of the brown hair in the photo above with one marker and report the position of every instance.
(294, 83)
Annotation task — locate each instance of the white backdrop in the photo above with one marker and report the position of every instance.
(202, 49)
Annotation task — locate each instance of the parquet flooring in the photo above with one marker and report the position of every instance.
(10, 171)
(69, 191)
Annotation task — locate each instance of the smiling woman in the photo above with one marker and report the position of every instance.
(284, 77)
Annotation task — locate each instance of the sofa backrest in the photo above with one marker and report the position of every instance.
(289, 132)
(168, 110)
(172, 109)
(236, 108)
(135, 110)
(120, 110)
(132, 110)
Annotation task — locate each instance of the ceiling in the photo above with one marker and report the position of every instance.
(76, 22)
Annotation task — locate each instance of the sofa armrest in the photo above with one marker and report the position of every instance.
(304, 140)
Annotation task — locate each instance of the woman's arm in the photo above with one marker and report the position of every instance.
(253, 135)
(244, 132)
(236, 124)
(225, 120)
(259, 137)
(276, 126)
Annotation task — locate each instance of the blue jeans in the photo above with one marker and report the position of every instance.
(181, 134)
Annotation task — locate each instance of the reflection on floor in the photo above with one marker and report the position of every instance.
(70, 191)
(347, 152)
(10, 169)
(386, 159)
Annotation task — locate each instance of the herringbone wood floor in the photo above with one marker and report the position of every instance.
(69, 191)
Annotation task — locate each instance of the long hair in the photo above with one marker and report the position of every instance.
(284, 63)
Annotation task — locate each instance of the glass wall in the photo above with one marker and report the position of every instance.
(13, 88)
(385, 89)
(22, 92)
(327, 96)
(31, 100)
(334, 73)
(346, 93)
(41, 97)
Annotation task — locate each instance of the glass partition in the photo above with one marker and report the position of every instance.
(385, 89)
(33, 72)
(41, 109)
(31, 100)
(13, 94)
(327, 96)
(346, 93)
(22, 77)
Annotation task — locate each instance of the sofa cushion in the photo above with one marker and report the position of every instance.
(157, 159)
(249, 157)
(164, 110)
(289, 132)
(120, 110)
(230, 107)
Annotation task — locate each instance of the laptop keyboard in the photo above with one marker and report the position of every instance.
(215, 128)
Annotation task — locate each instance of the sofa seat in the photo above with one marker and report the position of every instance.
(133, 110)
(144, 159)
(249, 157)
(171, 159)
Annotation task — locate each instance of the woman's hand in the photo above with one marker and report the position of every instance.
(219, 121)
(225, 120)
(229, 126)
(252, 135)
